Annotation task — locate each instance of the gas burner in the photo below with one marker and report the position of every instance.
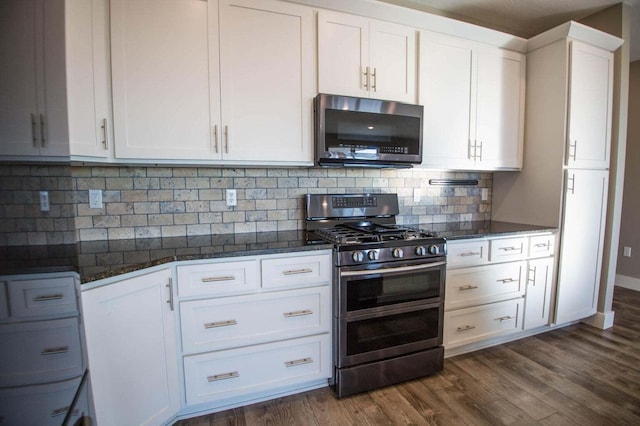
(350, 233)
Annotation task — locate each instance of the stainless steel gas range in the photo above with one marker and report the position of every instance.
(388, 294)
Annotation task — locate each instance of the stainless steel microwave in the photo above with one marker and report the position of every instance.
(362, 132)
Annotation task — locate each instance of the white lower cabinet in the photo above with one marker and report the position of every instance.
(133, 350)
(497, 287)
(248, 337)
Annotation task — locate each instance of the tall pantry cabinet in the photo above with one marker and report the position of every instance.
(564, 178)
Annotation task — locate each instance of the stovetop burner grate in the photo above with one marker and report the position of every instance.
(358, 234)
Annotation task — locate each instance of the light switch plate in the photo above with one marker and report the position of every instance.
(44, 201)
(232, 198)
(95, 199)
(626, 252)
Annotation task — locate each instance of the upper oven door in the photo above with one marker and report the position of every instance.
(364, 292)
(367, 131)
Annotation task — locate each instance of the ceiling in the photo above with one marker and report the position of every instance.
(525, 18)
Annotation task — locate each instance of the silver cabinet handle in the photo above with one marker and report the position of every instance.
(532, 276)
(507, 318)
(298, 313)
(297, 271)
(366, 79)
(216, 324)
(170, 287)
(48, 297)
(470, 253)
(506, 280)
(43, 130)
(374, 77)
(571, 188)
(223, 376)
(465, 328)
(540, 245)
(480, 156)
(55, 351)
(469, 147)
(103, 126)
(220, 278)
(226, 139)
(297, 362)
(215, 138)
(509, 248)
(33, 130)
(573, 146)
(467, 287)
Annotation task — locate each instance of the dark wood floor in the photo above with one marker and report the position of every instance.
(577, 375)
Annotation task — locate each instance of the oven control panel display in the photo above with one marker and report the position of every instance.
(354, 202)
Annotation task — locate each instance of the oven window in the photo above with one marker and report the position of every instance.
(381, 290)
(388, 331)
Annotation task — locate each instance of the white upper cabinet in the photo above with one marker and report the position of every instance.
(268, 81)
(366, 58)
(164, 96)
(474, 104)
(32, 79)
(590, 99)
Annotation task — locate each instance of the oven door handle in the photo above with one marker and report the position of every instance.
(388, 270)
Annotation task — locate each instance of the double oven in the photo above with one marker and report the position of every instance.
(388, 294)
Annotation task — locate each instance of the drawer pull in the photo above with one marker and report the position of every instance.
(297, 271)
(467, 287)
(224, 376)
(297, 313)
(55, 351)
(465, 328)
(216, 279)
(220, 324)
(298, 362)
(506, 280)
(532, 276)
(470, 253)
(48, 297)
(541, 245)
(509, 248)
(507, 318)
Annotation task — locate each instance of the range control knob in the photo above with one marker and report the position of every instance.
(421, 251)
(357, 256)
(433, 249)
(397, 253)
(373, 255)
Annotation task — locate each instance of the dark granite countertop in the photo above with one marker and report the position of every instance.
(95, 260)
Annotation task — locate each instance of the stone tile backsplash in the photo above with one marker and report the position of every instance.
(141, 202)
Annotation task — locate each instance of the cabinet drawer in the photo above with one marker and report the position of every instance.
(467, 253)
(508, 249)
(298, 271)
(542, 245)
(42, 405)
(482, 322)
(227, 374)
(214, 279)
(4, 307)
(245, 320)
(42, 297)
(40, 351)
(484, 284)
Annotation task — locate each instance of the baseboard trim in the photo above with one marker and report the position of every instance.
(601, 320)
(628, 282)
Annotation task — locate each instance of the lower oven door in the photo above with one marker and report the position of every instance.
(388, 333)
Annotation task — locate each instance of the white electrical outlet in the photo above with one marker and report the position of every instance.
(416, 195)
(484, 194)
(44, 201)
(95, 198)
(232, 198)
(626, 252)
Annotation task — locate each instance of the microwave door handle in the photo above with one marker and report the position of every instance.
(389, 270)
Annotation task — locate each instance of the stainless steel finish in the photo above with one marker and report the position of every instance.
(366, 79)
(398, 253)
(469, 146)
(506, 280)
(465, 328)
(33, 130)
(215, 138)
(103, 126)
(226, 139)
(298, 313)
(381, 271)
(217, 324)
(218, 278)
(374, 77)
(507, 318)
(467, 287)
(480, 156)
(55, 351)
(470, 253)
(224, 376)
(297, 362)
(43, 131)
(325, 206)
(509, 248)
(573, 146)
(170, 287)
(48, 297)
(297, 271)
(532, 276)
(540, 245)
(571, 188)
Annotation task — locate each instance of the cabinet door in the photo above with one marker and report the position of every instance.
(393, 62)
(88, 78)
(590, 98)
(447, 82)
(500, 109)
(164, 76)
(538, 293)
(19, 132)
(343, 54)
(581, 244)
(132, 350)
(267, 74)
